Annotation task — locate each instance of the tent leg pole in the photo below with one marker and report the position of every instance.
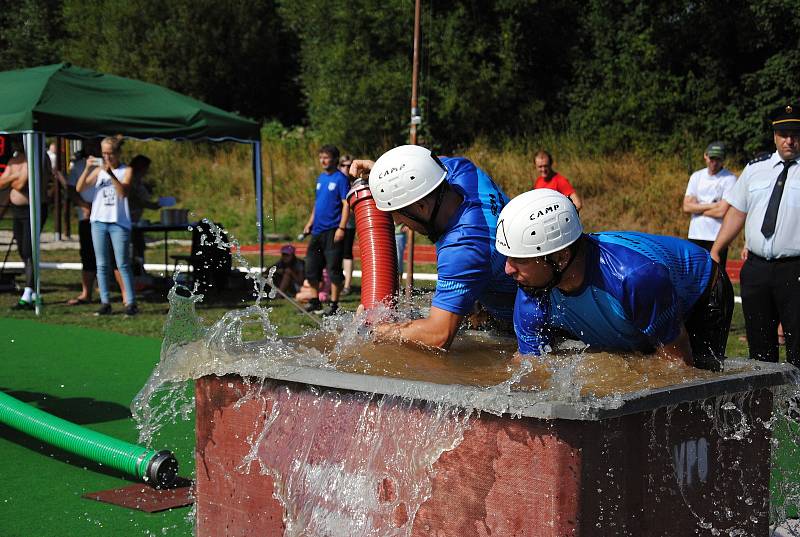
(34, 143)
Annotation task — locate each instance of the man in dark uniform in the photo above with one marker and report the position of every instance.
(766, 202)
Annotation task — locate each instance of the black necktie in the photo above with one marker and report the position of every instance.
(771, 216)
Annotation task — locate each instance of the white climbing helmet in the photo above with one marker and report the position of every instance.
(537, 223)
(404, 175)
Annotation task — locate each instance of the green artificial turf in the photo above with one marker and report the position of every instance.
(87, 376)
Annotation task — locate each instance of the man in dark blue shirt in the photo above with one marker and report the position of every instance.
(615, 291)
(455, 204)
(327, 227)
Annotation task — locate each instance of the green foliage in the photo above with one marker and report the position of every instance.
(30, 33)
(234, 55)
(355, 68)
(625, 74)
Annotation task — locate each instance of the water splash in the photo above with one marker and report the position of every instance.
(374, 482)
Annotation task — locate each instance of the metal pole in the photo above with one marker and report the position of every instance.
(259, 180)
(415, 120)
(57, 189)
(65, 154)
(272, 183)
(34, 143)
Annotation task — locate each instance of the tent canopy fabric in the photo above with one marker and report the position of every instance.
(65, 100)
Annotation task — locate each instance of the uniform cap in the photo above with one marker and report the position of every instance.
(786, 117)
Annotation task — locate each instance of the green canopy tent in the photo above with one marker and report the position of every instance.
(64, 100)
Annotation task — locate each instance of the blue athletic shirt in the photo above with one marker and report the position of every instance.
(637, 291)
(469, 268)
(332, 188)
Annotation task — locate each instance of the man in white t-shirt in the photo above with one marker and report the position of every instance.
(704, 199)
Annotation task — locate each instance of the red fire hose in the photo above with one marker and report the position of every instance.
(375, 231)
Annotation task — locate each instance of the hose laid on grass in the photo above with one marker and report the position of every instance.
(158, 468)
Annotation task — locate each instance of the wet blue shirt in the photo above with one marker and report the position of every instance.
(469, 268)
(332, 188)
(637, 292)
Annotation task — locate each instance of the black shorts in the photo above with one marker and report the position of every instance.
(88, 259)
(349, 238)
(22, 228)
(323, 252)
(709, 322)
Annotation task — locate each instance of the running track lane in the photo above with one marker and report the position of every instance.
(426, 253)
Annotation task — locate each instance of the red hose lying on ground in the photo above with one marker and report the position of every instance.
(375, 231)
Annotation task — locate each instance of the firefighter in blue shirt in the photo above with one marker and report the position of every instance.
(615, 291)
(456, 205)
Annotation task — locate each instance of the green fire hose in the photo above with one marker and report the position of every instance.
(158, 468)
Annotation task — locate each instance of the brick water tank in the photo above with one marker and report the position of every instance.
(683, 460)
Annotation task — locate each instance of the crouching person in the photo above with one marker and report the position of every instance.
(615, 291)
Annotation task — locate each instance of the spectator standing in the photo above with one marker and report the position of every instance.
(327, 225)
(765, 203)
(83, 208)
(110, 219)
(549, 178)
(139, 199)
(349, 233)
(704, 199)
(15, 177)
(400, 241)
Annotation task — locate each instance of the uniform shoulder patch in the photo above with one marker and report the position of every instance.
(760, 158)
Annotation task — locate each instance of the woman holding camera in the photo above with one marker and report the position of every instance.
(110, 219)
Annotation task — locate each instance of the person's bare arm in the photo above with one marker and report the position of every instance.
(121, 184)
(339, 234)
(692, 206)
(11, 175)
(437, 330)
(307, 228)
(717, 209)
(576, 199)
(679, 350)
(88, 177)
(731, 226)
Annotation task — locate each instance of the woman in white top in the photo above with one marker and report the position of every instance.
(110, 219)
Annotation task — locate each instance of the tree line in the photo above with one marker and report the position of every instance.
(616, 74)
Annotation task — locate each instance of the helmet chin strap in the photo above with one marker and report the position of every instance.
(430, 228)
(558, 273)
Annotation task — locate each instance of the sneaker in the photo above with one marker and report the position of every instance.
(346, 291)
(313, 305)
(23, 305)
(131, 310)
(330, 309)
(105, 309)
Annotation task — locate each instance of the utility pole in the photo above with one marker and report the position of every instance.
(416, 119)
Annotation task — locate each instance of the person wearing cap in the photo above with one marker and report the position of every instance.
(615, 291)
(549, 178)
(766, 202)
(455, 204)
(290, 271)
(704, 199)
(327, 225)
